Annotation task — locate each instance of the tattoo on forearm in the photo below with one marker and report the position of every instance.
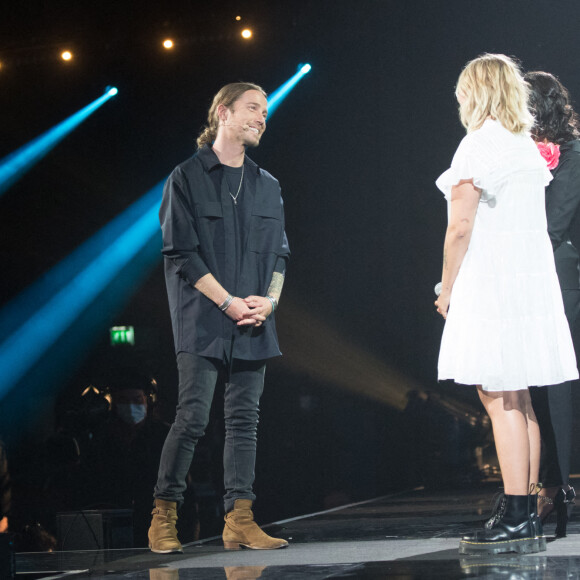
(445, 259)
(275, 289)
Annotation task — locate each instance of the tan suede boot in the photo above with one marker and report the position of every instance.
(162, 533)
(241, 530)
(243, 572)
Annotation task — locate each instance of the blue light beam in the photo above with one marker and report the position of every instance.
(15, 313)
(21, 160)
(27, 344)
(64, 293)
(282, 92)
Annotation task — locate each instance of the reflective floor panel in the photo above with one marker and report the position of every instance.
(410, 535)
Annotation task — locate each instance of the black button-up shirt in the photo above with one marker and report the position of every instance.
(199, 237)
(563, 213)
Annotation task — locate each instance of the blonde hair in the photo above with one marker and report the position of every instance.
(226, 96)
(493, 86)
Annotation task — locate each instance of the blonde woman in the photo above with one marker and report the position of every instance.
(505, 326)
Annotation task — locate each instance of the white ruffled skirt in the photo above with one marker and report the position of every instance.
(506, 329)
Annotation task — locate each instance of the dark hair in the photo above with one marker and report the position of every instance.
(122, 378)
(555, 119)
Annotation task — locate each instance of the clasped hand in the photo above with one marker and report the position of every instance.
(250, 311)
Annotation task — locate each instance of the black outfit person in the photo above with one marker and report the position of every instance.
(553, 406)
(241, 243)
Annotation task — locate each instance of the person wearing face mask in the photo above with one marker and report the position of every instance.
(130, 405)
(127, 447)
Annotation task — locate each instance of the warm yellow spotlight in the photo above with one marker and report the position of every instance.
(66, 55)
(238, 18)
(168, 43)
(246, 33)
(334, 360)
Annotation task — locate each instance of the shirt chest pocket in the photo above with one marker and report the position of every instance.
(266, 229)
(210, 224)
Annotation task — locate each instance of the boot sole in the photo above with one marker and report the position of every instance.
(542, 543)
(523, 546)
(238, 546)
(174, 551)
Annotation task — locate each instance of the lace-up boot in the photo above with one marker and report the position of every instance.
(511, 529)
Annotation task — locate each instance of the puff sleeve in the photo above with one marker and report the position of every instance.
(469, 162)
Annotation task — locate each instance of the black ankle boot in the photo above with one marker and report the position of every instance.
(563, 503)
(536, 521)
(513, 530)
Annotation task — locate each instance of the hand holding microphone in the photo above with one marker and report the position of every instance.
(442, 303)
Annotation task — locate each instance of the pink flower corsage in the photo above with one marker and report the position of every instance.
(551, 153)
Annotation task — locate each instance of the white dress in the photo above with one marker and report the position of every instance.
(506, 329)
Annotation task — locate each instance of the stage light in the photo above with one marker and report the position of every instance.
(335, 360)
(282, 92)
(168, 43)
(17, 163)
(238, 18)
(246, 33)
(66, 55)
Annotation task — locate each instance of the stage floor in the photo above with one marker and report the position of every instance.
(410, 535)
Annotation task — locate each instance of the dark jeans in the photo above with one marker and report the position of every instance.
(197, 380)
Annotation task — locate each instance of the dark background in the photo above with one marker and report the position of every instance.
(356, 146)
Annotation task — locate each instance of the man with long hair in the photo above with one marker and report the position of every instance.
(225, 250)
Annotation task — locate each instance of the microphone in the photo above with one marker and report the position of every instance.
(244, 127)
(437, 288)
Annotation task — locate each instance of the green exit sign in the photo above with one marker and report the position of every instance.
(122, 335)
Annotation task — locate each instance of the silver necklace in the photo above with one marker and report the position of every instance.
(235, 197)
